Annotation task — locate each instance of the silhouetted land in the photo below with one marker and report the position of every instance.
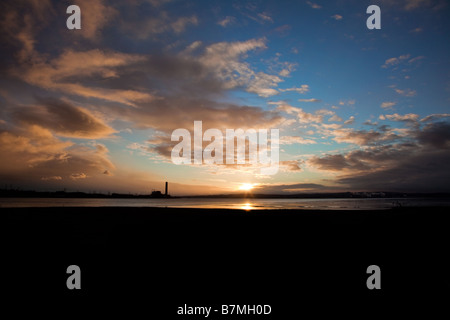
(13, 193)
(295, 260)
(64, 194)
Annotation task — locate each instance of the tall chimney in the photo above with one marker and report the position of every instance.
(167, 188)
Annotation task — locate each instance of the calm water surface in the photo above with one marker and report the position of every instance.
(246, 204)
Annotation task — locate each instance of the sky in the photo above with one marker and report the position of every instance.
(93, 109)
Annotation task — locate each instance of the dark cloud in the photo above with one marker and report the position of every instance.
(168, 75)
(63, 119)
(169, 114)
(334, 162)
(423, 172)
(420, 165)
(291, 188)
(33, 154)
(436, 135)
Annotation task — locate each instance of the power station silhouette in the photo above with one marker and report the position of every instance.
(158, 194)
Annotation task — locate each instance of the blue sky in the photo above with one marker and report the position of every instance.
(357, 109)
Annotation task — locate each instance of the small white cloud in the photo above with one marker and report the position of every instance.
(51, 178)
(387, 105)
(350, 120)
(406, 117)
(313, 5)
(295, 140)
(395, 61)
(416, 59)
(337, 17)
(309, 100)
(303, 89)
(406, 92)
(76, 176)
(227, 21)
(416, 30)
(265, 17)
(335, 118)
(435, 116)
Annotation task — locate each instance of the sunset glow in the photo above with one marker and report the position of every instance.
(246, 187)
(94, 109)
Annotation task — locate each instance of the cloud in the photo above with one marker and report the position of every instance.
(32, 154)
(184, 88)
(265, 17)
(227, 21)
(406, 171)
(313, 5)
(335, 162)
(416, 59)
(410, 5)
(335, 118)
(284, 31)
(414, 4)
(337, 17)
(370, 123)
(51, 178)
(95, 16)
(76, 176)
(410, 117)
(303, 89)
(155, 24)
(62, 73)
(250, 11)
(63, 119)
(363, 137)
(388, 105)
(290, 166)
(415, 163)
(406, 92)
(309, 100)
(224, 58)
(262, 84)
(295, 140)
(290, 188)
(350, 120)
(435, 116)
(395, 61)
(303, 117)
(416, 30)
(179, 25)
(169, 113)
(436, 135)
(20, 23)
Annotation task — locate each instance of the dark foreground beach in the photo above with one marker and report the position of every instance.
(154, 260)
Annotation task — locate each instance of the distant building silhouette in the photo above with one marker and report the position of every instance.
(157, 194)
(167, 189)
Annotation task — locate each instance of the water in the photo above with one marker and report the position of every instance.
(245, 204)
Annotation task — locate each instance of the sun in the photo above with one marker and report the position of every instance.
(246, 186)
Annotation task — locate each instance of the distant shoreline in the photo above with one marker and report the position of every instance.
(341, 195)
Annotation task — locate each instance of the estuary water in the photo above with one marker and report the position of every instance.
(217, 203)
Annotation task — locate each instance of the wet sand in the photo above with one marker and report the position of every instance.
(292, 259)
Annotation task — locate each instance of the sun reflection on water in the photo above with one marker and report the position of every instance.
(247, 206)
